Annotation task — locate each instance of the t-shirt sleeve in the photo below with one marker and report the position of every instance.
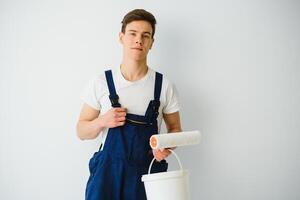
(172, 100)
(90, 94)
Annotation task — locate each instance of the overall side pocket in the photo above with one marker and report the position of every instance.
(94, 161)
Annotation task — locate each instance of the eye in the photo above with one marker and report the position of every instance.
(133, 34)
(146, 36)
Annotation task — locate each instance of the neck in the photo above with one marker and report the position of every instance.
(134, 70)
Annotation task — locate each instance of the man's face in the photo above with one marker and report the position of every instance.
(137, 39)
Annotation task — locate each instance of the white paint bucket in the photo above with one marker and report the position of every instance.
(173, 185)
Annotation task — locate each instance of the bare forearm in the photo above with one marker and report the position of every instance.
(172, 122)
(89, 129)
(174, 129)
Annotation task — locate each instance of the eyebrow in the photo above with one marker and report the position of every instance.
(146, 32)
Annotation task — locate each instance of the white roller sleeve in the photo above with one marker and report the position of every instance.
(168, 140)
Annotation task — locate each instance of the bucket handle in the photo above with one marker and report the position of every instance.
(177, 158)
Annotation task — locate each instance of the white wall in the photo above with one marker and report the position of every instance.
(235, 65)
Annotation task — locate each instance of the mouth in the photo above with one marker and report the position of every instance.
(138, 49)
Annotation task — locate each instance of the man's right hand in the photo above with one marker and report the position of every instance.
(90, 123)
(114, 117)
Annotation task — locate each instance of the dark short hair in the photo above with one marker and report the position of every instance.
(138, 15)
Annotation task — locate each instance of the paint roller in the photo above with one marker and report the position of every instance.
(169, 140)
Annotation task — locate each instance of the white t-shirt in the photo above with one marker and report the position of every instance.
(135, 96)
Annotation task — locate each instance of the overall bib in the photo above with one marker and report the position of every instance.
(116, 171)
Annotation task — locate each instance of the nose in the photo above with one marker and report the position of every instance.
(138, 41)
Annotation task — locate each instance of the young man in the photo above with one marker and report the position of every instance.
(125, 107)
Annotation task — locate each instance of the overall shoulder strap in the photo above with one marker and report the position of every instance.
(158, 85)
(114, 98)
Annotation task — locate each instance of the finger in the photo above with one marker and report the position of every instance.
(161, 156)
(120, 114)
(121, 119)
(158, 158)
(165, 153)
(157, 155)
(120, 123)
(121, 109)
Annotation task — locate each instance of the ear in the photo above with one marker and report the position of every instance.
(121, 35)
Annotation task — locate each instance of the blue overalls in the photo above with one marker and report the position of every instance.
(116, 171)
